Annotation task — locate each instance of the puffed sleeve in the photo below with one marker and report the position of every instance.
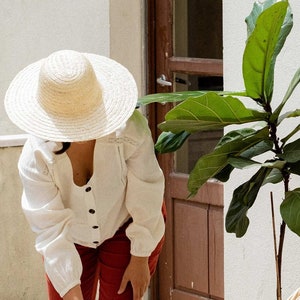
(145, 188)
(45, 212)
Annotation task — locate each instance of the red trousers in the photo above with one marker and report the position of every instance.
(107, 265)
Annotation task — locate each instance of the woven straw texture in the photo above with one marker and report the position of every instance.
(71, 96)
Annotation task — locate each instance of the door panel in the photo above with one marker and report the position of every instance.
(186, 47)
(180, 295)
(190, 247)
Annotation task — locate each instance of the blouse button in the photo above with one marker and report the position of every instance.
(88, 189)
(92, 211)
(95, 227)
(96, 242)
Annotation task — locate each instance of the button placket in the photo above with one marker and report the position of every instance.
(92, 215)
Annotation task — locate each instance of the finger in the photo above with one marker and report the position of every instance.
(143, 291)
(137, 292)
(123, 285)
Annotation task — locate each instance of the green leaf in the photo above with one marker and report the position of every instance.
(192, 126)
(170, 142)
(274, 177)
(208, 112)
(290, 210)
(294, 168)
(262, 48)
(235, 134)
(169, 97)
(211, 164)
(181, 96)
(290, 114)
(224, 174)
(295, 81)
(276, 164)
(293, 132)
(243, 198)
(258, 8)
(258, 149)
(242, 162)
(253, 151)
(291, 152)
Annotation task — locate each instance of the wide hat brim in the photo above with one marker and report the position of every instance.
(119, 98)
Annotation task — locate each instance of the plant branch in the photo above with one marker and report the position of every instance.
(275, 250)
(286, 177)
(280, 248)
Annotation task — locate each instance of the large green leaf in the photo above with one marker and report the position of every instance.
(235, 134)
(295, 81)
(290, 210)
(258, 149)
(291, 152)
(258, 8)
(262, 48)
(243, 198)
(181, 96)
(211, 164)
(192, 126)
(275, 164)
(274, 177)
(242, 162)
(290, 114)
(170, 142)
(255, 150)
(208, 112)
(169, 97)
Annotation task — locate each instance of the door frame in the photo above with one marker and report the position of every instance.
(160, 36)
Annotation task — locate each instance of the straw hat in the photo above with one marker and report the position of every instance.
(71, 96)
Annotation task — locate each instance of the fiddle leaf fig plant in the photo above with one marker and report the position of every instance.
(268, 26)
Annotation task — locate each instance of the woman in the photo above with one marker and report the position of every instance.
(93, 189)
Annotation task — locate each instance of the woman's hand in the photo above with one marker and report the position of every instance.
(74, 294)
(138, 273)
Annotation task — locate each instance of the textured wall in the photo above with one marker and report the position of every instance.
(127, 33)
(21, 272)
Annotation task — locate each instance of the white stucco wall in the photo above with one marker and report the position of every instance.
(249, 261)
(127, 37)
(30, 30)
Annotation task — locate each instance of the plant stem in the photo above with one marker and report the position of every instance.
(275, 250)
(280, 249)
(286, 177)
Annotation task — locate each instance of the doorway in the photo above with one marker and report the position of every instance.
(185, 52)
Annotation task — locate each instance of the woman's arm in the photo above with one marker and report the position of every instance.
(144, 192)
(48, 218)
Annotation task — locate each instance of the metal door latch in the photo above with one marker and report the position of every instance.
(162, 80)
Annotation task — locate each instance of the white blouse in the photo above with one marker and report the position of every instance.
(127, 182)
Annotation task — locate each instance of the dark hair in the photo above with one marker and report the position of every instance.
(65, 147)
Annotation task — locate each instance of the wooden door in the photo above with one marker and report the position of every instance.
(185, 47)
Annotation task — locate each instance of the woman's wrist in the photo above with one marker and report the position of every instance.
(139, 259)
(74, 293)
